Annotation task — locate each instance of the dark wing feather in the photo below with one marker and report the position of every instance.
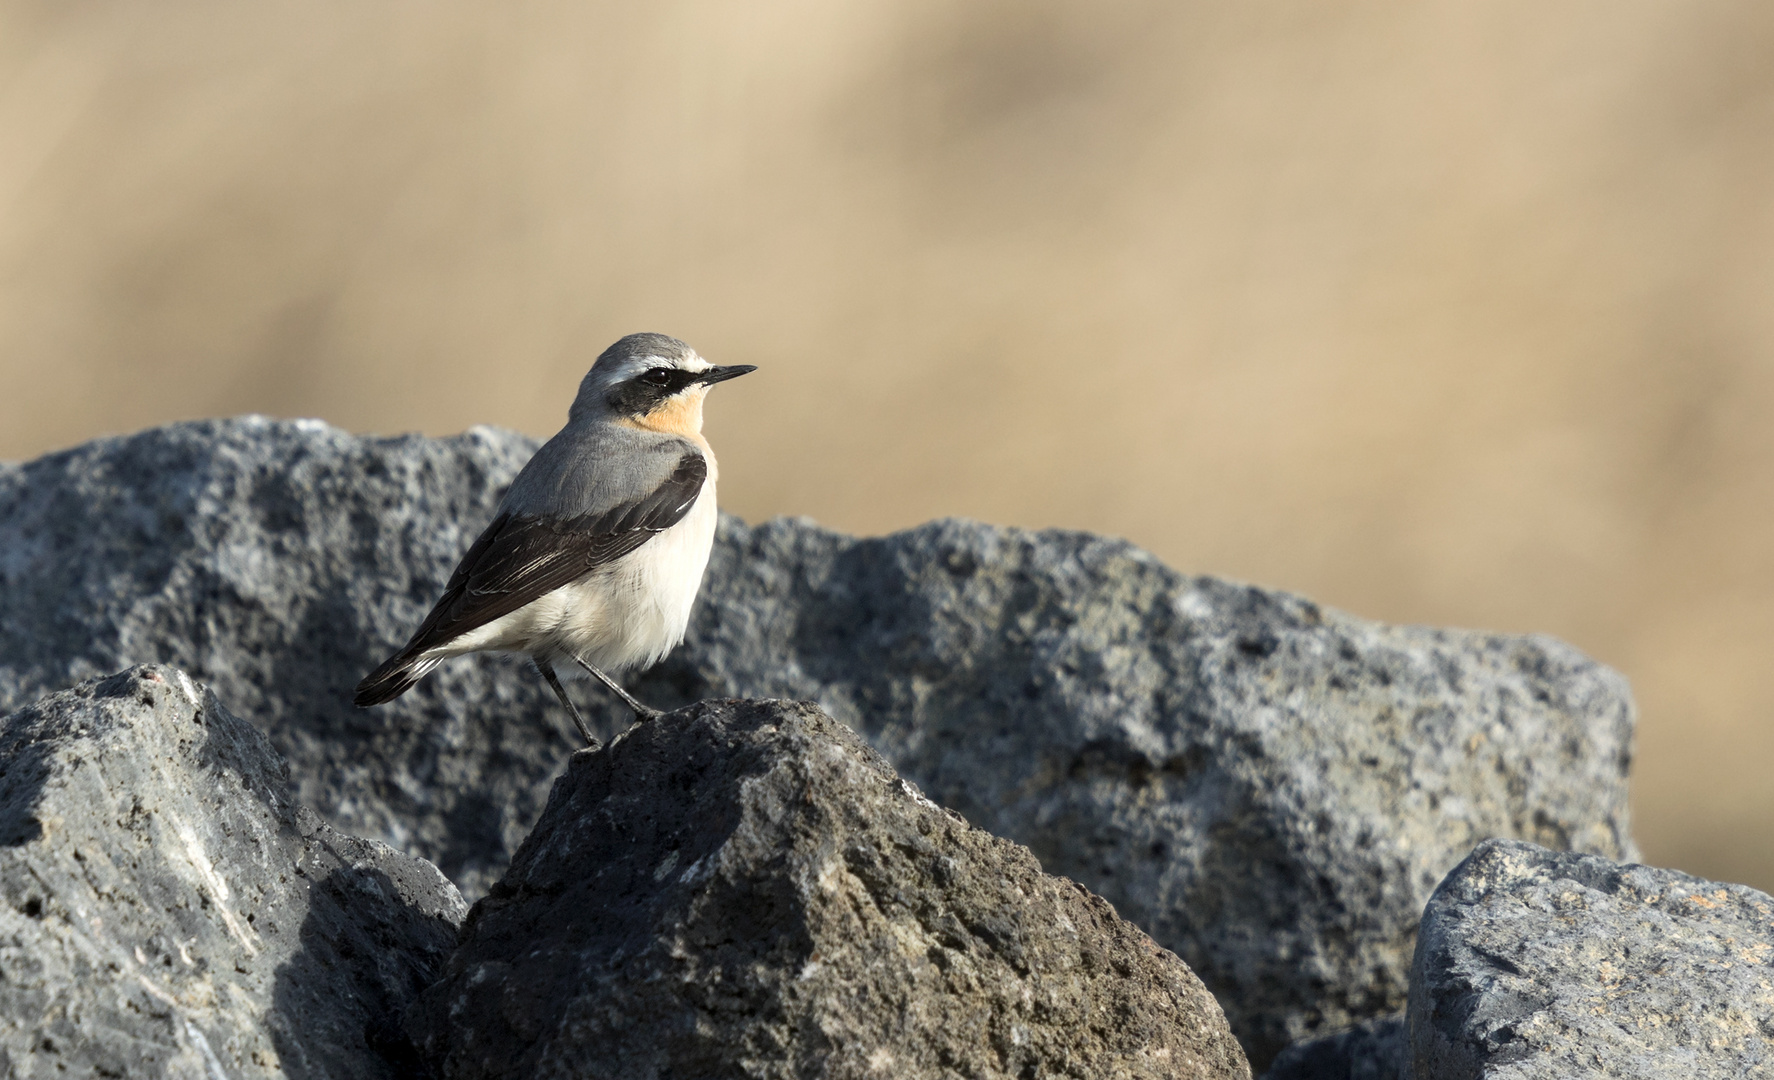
(521, 558)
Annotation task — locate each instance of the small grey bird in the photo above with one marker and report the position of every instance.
(597, 551)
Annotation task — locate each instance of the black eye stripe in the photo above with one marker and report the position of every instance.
(644, 391)
(670, 380)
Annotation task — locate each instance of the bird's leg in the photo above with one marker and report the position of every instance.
(641, 712)
(560, 691)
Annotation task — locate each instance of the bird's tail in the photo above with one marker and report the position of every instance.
(401, 673)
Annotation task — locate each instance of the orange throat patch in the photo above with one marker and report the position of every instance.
(680, 414)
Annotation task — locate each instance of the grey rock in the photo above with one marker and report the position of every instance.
(278, 562)
(1267, 787)
(1377, 1050)
(1270, 788)
(166, 910)
(747, 889)
(1536, 963)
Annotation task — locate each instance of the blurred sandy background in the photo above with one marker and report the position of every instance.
(1445, 312)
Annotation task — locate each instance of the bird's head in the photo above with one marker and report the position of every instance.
(650, 381)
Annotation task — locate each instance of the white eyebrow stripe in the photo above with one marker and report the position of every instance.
(694, 362)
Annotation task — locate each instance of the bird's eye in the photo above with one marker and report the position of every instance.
(657, 377)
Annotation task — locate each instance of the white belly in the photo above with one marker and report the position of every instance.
(625, 615)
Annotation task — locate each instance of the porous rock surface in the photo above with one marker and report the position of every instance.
(746, 889)
(278, 562)
(167, 911)
(1542, 964)
(1269, 788)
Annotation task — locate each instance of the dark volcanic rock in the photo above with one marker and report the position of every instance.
(745, 888)
(1536, 963)
(1270, 788)
(165, 910)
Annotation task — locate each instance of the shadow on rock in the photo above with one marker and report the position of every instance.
(1377, 1050)
(366, 951)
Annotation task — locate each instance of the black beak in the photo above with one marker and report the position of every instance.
(722, 374)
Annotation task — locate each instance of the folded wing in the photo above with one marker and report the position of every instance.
(520, 558)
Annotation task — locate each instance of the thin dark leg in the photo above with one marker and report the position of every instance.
(560, 691)
(641, 712)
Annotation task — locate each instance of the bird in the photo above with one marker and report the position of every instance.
(596, 553)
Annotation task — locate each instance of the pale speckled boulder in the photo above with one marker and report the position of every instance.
(1269, 788)
(167, 911)
(1544, 965)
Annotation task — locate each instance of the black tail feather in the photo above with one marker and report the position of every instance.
(400, 674)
